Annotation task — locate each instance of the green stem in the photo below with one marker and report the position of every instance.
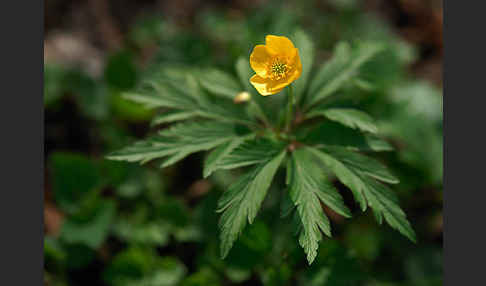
(290, 103)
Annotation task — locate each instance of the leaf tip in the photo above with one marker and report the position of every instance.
(207, 173)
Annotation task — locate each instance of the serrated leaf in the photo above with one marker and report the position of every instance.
(174, 158)
(363, 164)
(172, 116)
(385, 204)
(250, 153)
(342, 67)
(164, 92)
(345, 175)
(306, 51)
(308, 188)
(179, 141)
(181, 91)
(219, 83)
(352, 118)
(306, 172)
(225, 111)
(350, 170)
(215, 157)
(241, 202)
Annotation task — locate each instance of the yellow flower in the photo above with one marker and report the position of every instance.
(277, 64)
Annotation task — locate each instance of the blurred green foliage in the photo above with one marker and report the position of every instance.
(129, 225)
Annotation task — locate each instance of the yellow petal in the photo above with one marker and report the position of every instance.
(264, 86)
(280, 45)
(259, 59)
(297, 64)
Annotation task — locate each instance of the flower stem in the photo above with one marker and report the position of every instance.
(290, 103)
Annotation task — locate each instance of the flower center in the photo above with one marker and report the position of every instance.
(278, 69)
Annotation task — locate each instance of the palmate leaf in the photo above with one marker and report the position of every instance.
(337, 71)
(241, 202)
(307, 189)
(165, 89)
(233, 132)
(181, 92)
(359, 173)
(180, 140)
(352, 118)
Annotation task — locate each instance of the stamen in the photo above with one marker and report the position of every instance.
(278, 69)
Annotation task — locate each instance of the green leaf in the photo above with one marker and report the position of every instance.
(244, 72)
(226, 111)
(179, 141)
(137, 266)
(203, 277)
(219, 83)
(363, 164)
(172, 116)
(385, 204)
(129, 110)
(334, 134)
(169, 271)
(308, 188)
(249, 153)
(306, 48)
(241, 202)
(153, 233)
(93, 232)
(53, 83)
(215, 157)
(344, 174)
(349, 117)
(74, 178)
(120, 71)
(130, 264)
(179, 89)
(169, 87)
(341, 68)
(358, 173)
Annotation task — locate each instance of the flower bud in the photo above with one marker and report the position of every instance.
(242, 97)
